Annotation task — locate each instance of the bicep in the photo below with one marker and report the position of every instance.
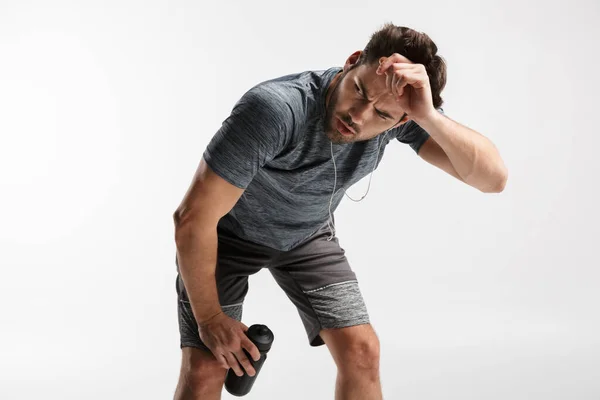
(208, 198)
(432, 152)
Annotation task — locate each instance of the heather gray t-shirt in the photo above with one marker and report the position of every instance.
(273, 146)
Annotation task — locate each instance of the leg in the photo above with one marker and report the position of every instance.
(355, 351)
(318, 279)
(200, 377)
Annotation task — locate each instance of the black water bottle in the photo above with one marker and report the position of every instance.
(262, 337)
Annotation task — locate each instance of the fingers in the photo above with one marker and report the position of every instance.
(227, 340)
(387, 62)
(238, 359)
(396, 81)
(399, 81)
(393, 82)
(245, 363)
(402, 76)
(388, 79)
(221, 359)
(251, 348)
(233, 364)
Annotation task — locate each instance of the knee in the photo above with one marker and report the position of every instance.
(200, 377)
(361, 355)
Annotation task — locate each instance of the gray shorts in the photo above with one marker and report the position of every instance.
(315, 275)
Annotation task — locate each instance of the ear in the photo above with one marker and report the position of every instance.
(352, 60)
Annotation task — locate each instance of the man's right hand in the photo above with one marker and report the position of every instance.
(226, 338)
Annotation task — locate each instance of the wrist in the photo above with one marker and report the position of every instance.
(204, 321)
(429, 120)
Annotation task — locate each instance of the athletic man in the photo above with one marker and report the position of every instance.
(266, 188)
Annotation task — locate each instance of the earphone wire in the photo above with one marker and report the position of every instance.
(330, 223)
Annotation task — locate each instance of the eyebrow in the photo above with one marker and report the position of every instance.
(363, 88)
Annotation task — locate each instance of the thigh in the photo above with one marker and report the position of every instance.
(319, 280)
(236, 261)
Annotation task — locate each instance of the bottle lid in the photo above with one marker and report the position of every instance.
(261, 336)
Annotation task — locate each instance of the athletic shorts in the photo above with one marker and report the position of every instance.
(315, 276)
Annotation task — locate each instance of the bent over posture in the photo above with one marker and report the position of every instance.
(266, 189)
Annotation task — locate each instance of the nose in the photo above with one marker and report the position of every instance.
(358, 113)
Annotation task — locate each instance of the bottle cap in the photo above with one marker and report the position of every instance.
(261, 336)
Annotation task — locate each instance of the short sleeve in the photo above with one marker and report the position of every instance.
(257, 129)
(412, 134)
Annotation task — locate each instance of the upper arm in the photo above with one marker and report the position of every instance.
(259, 127)
(256, 130)
(209, 197)
(432, 152)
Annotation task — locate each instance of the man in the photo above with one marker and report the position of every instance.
(266, 188)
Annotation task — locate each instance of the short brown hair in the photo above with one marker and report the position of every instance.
(416, 46)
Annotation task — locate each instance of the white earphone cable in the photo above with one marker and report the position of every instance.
(330, 220)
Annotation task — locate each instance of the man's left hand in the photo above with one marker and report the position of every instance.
(410, 85)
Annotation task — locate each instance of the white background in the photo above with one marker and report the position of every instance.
(106, 108)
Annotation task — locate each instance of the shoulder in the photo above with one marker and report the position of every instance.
(286, 103)
(301, 92)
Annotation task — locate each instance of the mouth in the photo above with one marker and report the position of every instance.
(343, 128)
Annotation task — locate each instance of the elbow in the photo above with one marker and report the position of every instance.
(183, 214)
(191, 223)
(502, 179)
(178, 218)
(177, 224)
(497, 184)
(498, 175)
(185, 233)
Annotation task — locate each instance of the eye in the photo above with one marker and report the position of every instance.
(357, 89)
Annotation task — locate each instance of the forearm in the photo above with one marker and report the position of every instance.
(474, 157)
(197, 259)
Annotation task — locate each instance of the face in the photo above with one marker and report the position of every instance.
(359, 98)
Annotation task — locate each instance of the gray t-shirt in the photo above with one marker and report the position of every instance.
(273, 146)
